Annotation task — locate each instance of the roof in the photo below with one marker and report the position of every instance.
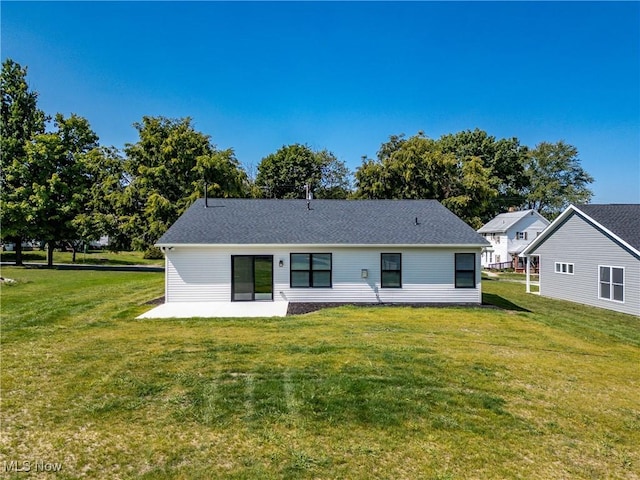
(620, 221)
(504, 221)
(327, 222)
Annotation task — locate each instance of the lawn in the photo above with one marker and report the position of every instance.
(91, 257)
(542, 389)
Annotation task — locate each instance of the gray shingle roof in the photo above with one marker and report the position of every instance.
(502, 222)
(621, 219)
(328, 222)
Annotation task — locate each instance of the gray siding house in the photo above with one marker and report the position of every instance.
(591, 255)
(368, 251)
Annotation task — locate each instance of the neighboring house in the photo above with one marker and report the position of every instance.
(509, 233)
(591, 254)
(343, 251)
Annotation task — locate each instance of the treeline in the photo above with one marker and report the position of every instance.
(60, 186)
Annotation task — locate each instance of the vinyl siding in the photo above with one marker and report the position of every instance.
(578, 242)
(201, 274)
(531, 224)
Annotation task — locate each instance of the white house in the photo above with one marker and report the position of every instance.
(590, 254)
(322, 251)
(509, 233)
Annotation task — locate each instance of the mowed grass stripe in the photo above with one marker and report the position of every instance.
(342, 393)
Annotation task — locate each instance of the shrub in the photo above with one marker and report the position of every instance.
(153, 253)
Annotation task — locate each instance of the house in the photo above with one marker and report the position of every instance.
(509, 233)
(321, 251)
(591, 254)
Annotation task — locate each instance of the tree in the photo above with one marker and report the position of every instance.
(103, 209)
(285, 173)
(168, 167)
(21, 120)
(556, 179)
(505, 159)
(61, 182)
(418, 167)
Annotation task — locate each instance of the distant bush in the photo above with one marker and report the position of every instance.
(153, 253)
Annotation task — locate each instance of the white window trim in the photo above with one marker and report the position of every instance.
(611, 267)
(573, 269)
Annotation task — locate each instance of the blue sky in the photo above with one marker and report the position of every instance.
(345, 76)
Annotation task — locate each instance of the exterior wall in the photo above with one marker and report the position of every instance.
(203, 274)
(499, 245)
(505, 242)
(532, 225)
(580, 243)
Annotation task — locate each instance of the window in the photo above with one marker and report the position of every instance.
(612, 283)
(566, 268)
(391, 269)
(465, 270)
(521, 235)
(310, 270)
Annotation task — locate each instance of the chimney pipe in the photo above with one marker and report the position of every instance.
(206, 197)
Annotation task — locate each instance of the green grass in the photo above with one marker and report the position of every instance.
(546, 389)
(92, 257)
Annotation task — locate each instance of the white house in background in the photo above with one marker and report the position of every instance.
(509, 233)
(590, 254)
(337, 251)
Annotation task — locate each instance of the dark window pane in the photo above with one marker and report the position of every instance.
(604, 290)
(604, 274)
(570, 268)
(558, 267)
(465, 280)
(465, 261)
(617, 275)
(618, 293)
(391, 261)
(300, 261)
(391, 279)
(322, 261)
(299, 279)
(321, 279)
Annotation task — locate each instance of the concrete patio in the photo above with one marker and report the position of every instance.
(217, 310)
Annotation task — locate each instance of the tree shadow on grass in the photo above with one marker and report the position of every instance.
(500, 302)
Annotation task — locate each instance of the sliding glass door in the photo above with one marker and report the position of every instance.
(252, 277)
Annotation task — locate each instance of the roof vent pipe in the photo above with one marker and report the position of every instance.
(417, 221)
(206, 196)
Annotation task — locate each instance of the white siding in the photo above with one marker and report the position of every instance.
(201, 274)
(578, 242)
(499, 244)
(505, 242)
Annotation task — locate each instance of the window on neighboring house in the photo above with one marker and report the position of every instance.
(391, 270)
(566, 268)
(310, 270)
(612, 283)
(465, 270)
(521, 235)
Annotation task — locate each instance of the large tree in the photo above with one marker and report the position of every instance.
(61, 182)
(505, 158)
(417, 167)
(287, 172)
(556, 178)
(21, 121)
(168, 166)
(103, 209)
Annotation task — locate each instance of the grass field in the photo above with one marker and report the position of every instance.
(545, 389)
(92, 257)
